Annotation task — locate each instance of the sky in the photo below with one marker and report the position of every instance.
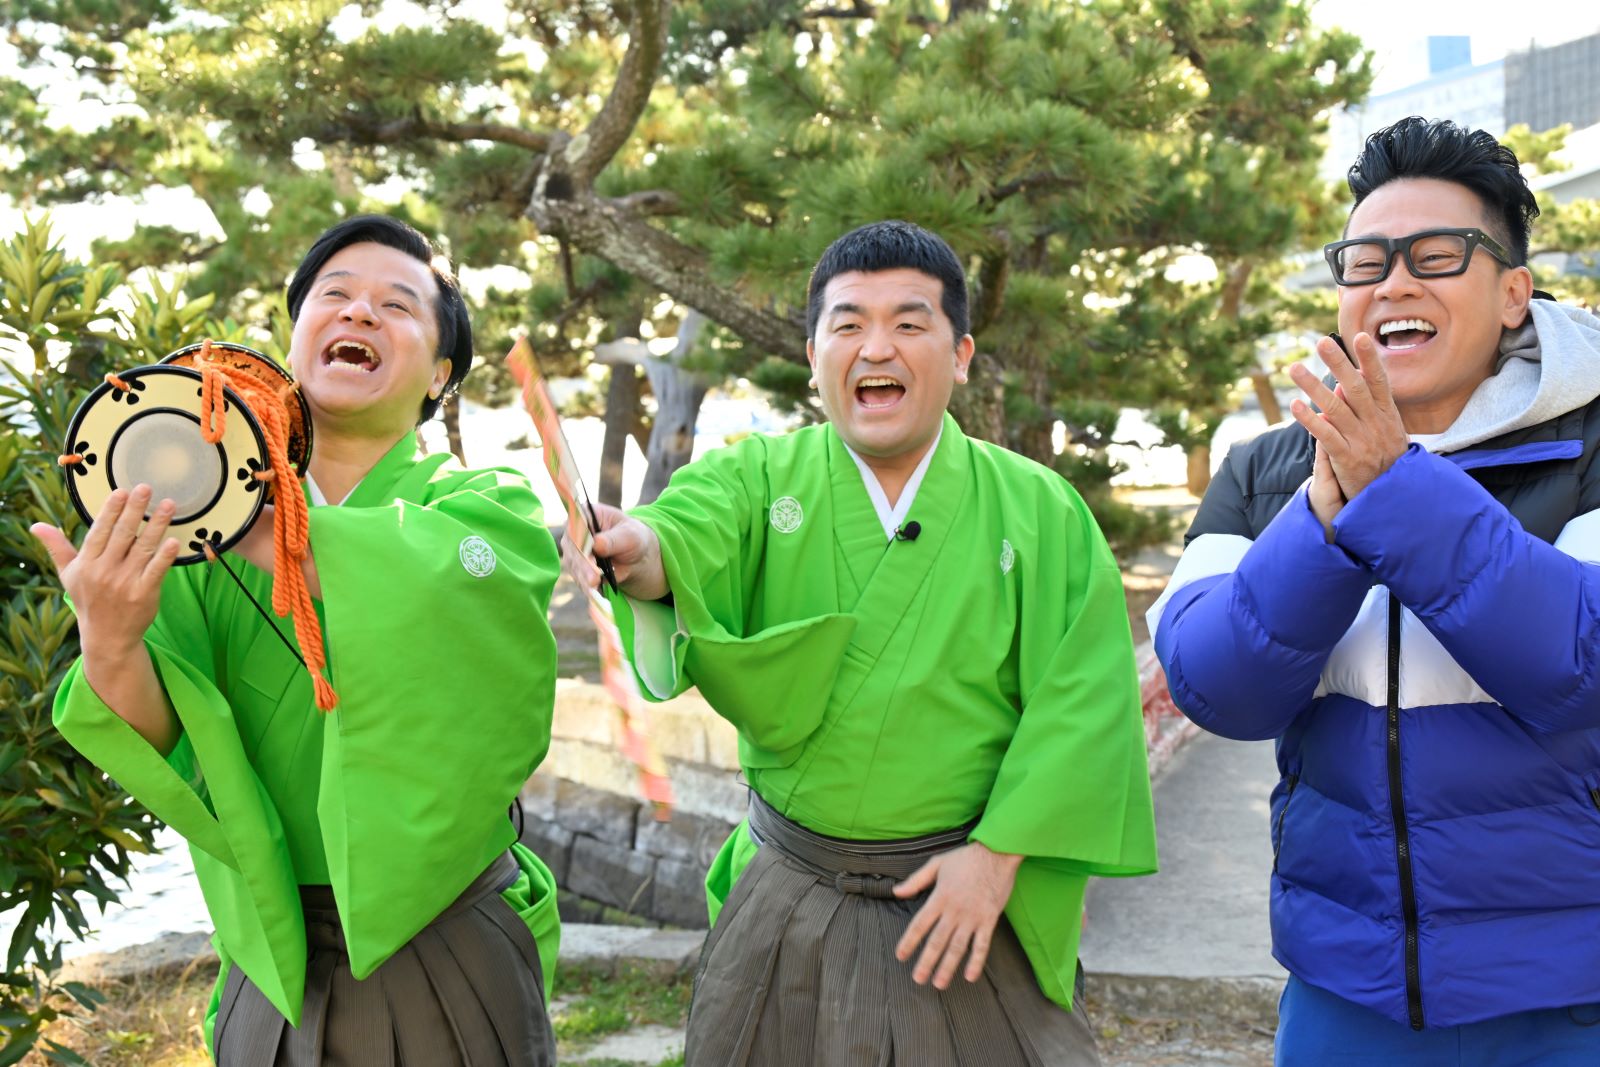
(1397, 30)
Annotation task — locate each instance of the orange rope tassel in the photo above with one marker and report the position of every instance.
(291, 533)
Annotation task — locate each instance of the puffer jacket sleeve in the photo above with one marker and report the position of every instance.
(1246, 626)
(1519, 615)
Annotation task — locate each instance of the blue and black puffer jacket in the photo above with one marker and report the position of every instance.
(1432, 679)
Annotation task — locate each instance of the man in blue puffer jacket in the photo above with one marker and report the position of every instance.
(1403, 588)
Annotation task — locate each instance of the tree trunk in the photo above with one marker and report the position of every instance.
(622, 404)
(980, 405)
(679, 393)
(452, 428)
(1271, 410)
(1199, 469)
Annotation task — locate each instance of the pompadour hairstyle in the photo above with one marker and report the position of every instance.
(1419, 148)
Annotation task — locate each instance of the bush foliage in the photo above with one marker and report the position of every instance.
(66, 831)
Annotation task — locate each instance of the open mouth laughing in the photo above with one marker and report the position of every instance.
(1403, 335)
(348, 354)
(879, 391)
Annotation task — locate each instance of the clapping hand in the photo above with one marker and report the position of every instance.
(1358, 430)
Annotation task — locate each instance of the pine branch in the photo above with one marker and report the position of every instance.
(623, 238)
(359, 130)
(650, 202)
(591, 150)
(1028, 182)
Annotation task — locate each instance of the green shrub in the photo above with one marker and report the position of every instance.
(65, 829)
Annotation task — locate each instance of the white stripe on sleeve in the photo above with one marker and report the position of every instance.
(1206, 555)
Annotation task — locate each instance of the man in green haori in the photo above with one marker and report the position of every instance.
(370, 904)
(923, 642)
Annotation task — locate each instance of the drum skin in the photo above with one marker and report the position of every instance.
(150, 432)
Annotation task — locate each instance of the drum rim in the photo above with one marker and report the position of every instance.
(238, 408)
(305, 408)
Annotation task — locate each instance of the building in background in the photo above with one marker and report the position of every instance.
(1546, 87)
(1542, 86)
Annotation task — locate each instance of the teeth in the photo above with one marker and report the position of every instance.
(345, 348)
(1406, 324)
(863, 383)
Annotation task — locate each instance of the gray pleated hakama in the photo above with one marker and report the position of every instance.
(468, 991)
(800, 970)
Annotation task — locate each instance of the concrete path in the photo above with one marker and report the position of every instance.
(1193, 940)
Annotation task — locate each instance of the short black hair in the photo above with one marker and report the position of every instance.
(891, 245)
(1416, 147)
(450, 310)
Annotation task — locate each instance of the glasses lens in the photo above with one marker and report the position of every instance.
(1362, 262)
(1440, 253)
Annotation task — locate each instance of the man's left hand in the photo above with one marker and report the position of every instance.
(971, 886)
(1358, 425)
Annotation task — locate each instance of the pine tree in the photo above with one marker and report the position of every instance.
(636, 160)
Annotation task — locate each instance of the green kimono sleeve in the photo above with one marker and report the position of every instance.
(1074, 786)
(711, 522)
(441, 654)
(1073, 789)
(207, 790)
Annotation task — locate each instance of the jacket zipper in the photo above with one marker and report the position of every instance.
(1397, 812)
(1288, 795)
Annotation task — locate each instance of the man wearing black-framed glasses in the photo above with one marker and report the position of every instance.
(1442, 252)
(1403, 588)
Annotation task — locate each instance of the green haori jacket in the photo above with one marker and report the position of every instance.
(435, 585)
(886, 688)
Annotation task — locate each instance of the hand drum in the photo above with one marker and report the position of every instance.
(143, 426)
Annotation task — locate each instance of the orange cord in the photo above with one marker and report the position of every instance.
(69, 460)
(112, 379)
(291, 541)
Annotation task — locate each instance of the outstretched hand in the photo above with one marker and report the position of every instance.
(633, 550)
(114, 580)
(971, 886)
(1358, 427)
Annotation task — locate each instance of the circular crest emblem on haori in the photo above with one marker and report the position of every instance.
(1008, 556)
(787, 515)
(477, 557)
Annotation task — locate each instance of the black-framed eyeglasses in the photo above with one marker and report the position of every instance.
(1437, 253)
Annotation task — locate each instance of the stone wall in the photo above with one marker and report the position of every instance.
(581, 815)
(612, 859)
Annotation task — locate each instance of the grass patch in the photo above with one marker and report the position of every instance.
(150, 1021)
(589, 1006)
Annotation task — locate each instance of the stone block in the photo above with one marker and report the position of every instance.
(722, 743)
(583, 712)
(551, 843)
(611, 874)
(600, 766)
(610, 949)
(678, 896)
(679, 732)
(706, 791)
(538, 796)
(597, 813)
(687, 838)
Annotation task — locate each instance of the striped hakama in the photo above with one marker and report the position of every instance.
(800, 969)
(467, 991)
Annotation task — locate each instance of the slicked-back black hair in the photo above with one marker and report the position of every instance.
(1416, 147)
(892, 245)
(450, 310)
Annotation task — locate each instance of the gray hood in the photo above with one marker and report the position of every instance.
(1548, 366)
